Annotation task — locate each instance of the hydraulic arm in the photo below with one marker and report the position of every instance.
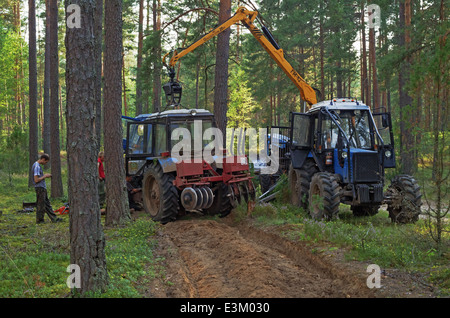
(266, 40)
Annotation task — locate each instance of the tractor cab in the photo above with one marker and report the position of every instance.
(149, 135)
(339, 150)
(342, 136)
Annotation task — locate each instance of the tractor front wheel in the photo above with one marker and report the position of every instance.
(404, 199)
(160, 196)
(324, 196)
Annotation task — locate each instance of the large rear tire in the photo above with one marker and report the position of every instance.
(306, 173)
(405, 203)
(300, 181)
(160, 196)
(324, 196)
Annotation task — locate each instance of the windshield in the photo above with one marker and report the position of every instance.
(195, 128)
(354, 123)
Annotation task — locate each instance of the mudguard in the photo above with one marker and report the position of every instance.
(298, 157)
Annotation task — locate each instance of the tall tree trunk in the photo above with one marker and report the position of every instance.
(98, 33)
(57, 187)
(46, 106)
(139, 59)
(221, 77)
(322, 54)
(339, 90)
(87, 241)
(116, 196)
(157, 68)
(33, 107)
(365, 79)
(405, 100)
(147, 88)
(375, 93)
(124, 82)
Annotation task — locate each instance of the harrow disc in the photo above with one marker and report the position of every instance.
(200, 198)
(189, 199)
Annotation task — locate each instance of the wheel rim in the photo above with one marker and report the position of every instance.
(152, 199)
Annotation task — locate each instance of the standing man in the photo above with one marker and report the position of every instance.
(43, 203)
(101, 179)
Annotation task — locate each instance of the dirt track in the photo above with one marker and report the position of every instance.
(215, 259)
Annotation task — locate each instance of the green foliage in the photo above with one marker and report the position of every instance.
(13, 158)
(13, 63)
(34, 258)
(241, 106)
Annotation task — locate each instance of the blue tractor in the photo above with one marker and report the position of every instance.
(339, 151)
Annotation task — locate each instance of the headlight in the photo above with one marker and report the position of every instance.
(388, 153)
(344, 155)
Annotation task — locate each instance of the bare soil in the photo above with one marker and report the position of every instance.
(206, 258)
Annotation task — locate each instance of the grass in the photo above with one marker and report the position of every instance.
(34, 258)
(130, 260)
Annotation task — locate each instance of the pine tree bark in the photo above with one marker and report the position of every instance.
(57, 187)
(116, 196)
(407, 139)
(139, 59)
(33, 114)
(221, 77)
(157, 68)
(365, 79)
(322, 58)
(372, 54)
(46, 105)
(98, 33)
(87, 241)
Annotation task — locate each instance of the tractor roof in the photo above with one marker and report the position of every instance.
(175, 113)
(339, 103)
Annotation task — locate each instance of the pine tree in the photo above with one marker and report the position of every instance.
(118, 212)
(33, 116)
(87, 241)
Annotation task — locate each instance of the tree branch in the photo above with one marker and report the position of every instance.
(184, 13)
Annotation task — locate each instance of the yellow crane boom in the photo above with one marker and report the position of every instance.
(266, 40)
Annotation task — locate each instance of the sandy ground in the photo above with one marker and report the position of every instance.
(206, 258)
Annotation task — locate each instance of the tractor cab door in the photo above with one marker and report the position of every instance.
(384, 125)
(139, 145)
(300, 138)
